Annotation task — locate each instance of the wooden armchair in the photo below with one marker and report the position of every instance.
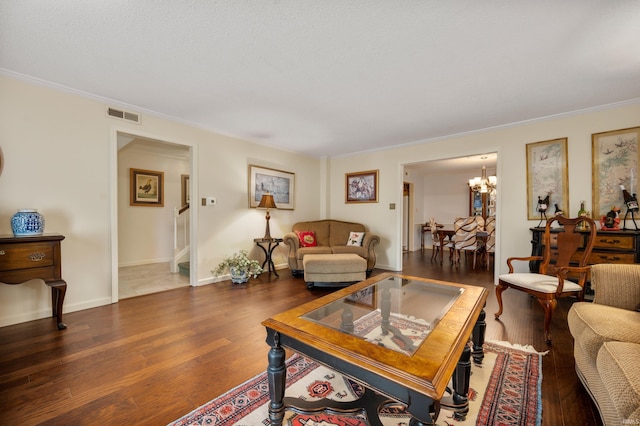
(563, 269)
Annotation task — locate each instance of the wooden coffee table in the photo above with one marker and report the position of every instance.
(357, 331)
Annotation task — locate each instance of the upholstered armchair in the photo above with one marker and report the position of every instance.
(606, 344)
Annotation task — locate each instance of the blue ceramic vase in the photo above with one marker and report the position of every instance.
(27, 222)
(239, 276)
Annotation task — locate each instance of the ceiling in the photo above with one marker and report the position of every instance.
(328, 78)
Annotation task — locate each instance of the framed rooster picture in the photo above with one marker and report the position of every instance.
(147, 188)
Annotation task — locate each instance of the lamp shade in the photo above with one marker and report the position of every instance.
(267, 202)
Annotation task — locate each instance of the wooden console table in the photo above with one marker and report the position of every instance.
(38, 257)
(609, 247)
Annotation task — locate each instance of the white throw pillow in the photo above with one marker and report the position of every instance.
(355, 238)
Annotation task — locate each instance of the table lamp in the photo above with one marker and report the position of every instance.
(267, 202)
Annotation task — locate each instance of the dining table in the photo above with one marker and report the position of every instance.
(443, 233)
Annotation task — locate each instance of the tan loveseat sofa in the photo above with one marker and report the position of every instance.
(331, 237)
(607, 342)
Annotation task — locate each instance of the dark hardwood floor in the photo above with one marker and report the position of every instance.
(149, 360)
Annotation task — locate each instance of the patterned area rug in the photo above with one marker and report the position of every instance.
(504, 390)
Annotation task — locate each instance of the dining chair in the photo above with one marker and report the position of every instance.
(563, 267)
(490, 244)
(465, 237)
(435, 238)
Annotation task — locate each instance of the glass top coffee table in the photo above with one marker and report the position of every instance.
(402, 337)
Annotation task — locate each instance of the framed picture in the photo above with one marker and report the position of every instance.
(547, 175)
(615, 163)
(147, 188)
(184, 186)
(361, 187)
(278, 183)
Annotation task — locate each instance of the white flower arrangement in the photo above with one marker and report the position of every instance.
(241, 262)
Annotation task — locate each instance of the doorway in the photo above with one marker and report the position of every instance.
(143, 234)
(441, 190)
(406, 217)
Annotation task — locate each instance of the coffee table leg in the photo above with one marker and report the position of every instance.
(459, 401)
(478, 338)
(424, 410)
(276, 374)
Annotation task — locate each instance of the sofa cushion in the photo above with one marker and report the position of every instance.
(307, 238)
(590, 325)
(340, 231)
(618, 367)
(321, 229)
(355, 238)
(360, 251)
(302, 251)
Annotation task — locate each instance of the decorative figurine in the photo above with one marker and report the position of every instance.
(543, 205)
(611, 220)
(631, 201)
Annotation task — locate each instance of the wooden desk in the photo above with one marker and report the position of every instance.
(609, 247)
(38, 257)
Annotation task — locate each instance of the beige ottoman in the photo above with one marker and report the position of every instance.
(333, 269)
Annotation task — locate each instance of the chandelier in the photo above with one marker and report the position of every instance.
(483, 184)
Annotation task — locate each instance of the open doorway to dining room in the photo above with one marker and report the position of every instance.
(441, 189)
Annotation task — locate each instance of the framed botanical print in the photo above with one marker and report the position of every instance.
(547, 176)
(147, 188)
(361, 187)
(615, 164)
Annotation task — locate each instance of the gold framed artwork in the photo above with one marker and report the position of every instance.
(615, 163)
(278, 183)
(361, 187)
(184, 190)
(547, 175)
(147, 188)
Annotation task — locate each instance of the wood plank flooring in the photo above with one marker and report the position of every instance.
(148, 360)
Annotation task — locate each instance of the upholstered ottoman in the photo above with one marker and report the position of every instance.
(333, 269)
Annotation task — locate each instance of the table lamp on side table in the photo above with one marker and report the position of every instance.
(267, 202)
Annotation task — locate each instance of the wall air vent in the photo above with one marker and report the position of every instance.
(123, 115)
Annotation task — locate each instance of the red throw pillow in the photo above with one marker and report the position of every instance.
(307, 238)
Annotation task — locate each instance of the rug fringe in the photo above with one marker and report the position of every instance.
(517, 346)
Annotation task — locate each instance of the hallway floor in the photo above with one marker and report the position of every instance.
(146, 279)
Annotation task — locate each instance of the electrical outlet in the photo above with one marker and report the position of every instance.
(211, 201)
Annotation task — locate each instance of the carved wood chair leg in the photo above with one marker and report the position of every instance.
(549, 306)
(499, 289)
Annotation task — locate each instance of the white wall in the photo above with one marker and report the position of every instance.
(58, 151)
(512, 234)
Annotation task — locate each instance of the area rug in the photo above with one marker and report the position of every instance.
(504, 390)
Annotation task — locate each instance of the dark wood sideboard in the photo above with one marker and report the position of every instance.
(31, 257)
(609, 247)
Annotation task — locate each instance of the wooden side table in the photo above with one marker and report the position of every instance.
(271, 244)
(26, 258)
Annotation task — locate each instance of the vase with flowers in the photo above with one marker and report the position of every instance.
(239, 266)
